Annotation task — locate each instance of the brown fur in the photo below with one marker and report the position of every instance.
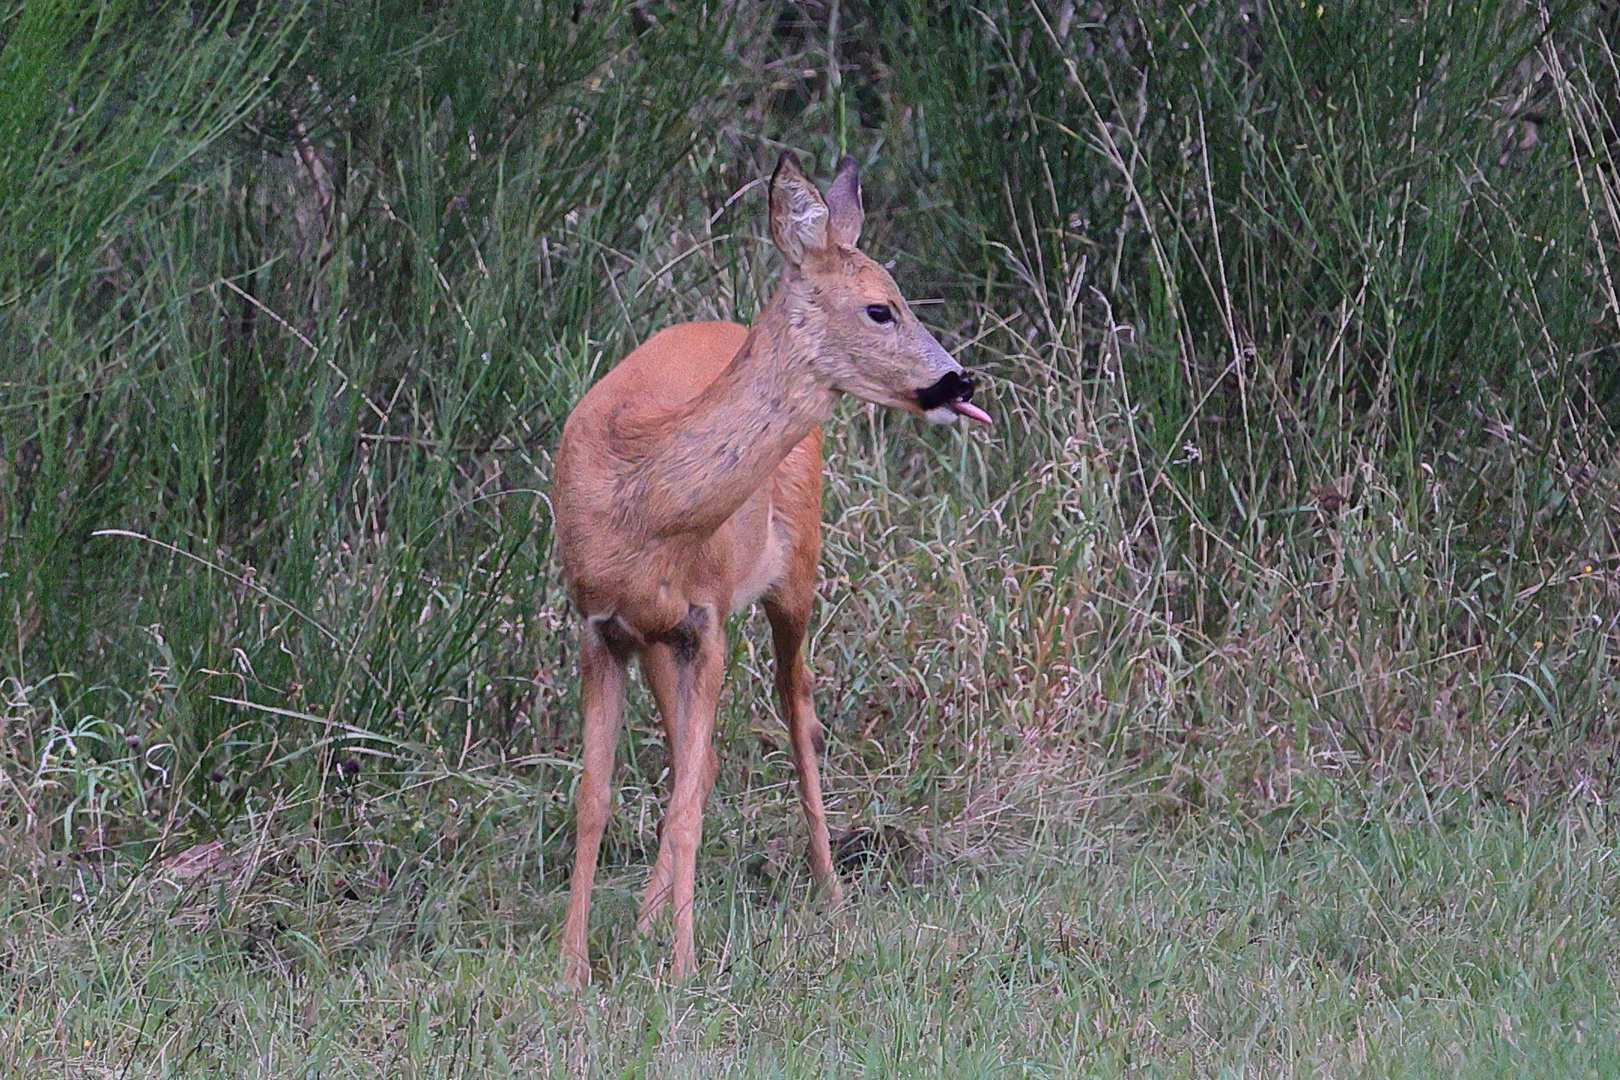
(687, 485)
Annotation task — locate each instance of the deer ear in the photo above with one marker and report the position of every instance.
(798, 216)
(844, 204)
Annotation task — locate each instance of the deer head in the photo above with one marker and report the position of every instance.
(846, 310)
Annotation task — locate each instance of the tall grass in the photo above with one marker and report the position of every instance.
(1300, 330)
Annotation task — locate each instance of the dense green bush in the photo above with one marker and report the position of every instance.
(1300, 325)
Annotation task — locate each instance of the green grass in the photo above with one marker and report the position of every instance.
(1245, 703)
(1468, 947)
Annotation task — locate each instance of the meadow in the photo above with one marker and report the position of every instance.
(1246, 703)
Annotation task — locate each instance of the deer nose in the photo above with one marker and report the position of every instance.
(952, 387)
(948, 398)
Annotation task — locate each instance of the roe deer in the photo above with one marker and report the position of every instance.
(688, 485)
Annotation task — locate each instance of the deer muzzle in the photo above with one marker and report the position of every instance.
(949, 398)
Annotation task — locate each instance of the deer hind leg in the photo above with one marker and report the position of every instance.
(663, 675)
(790, 619)
(601, 694)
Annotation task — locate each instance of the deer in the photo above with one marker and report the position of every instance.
(687, 486)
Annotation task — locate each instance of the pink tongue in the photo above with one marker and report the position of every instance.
(972, 412)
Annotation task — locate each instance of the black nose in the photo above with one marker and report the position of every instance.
(953, 386)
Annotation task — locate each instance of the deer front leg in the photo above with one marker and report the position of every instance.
(696, 662)
(793, 685)
(659, 667)
(601, 694)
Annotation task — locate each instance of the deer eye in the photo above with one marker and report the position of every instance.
(879, 313)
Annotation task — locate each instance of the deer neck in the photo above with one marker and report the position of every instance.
(700, 464)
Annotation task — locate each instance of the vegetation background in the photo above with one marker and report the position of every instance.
(1244, 704)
